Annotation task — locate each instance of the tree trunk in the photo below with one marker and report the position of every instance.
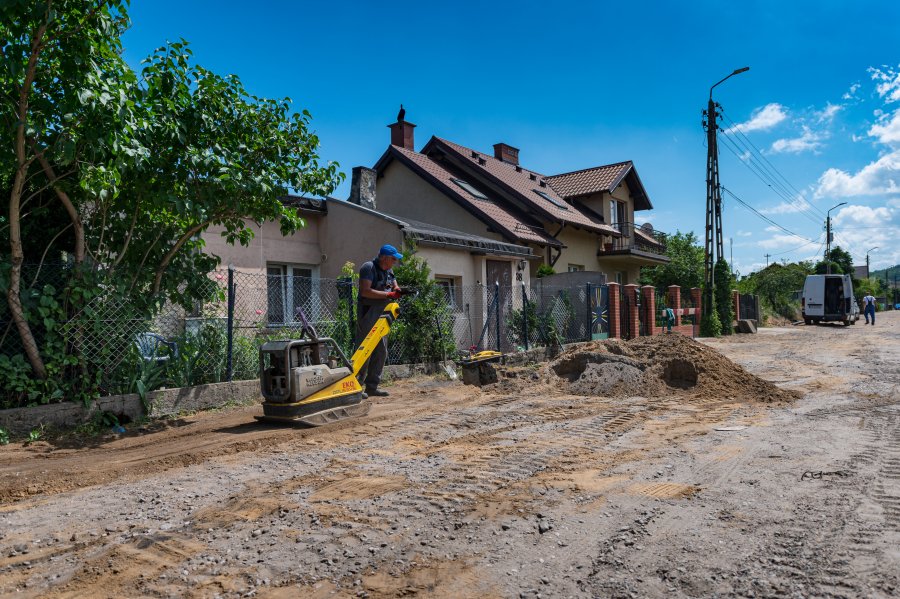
(161, 269)
(69, 206)
(17, 254)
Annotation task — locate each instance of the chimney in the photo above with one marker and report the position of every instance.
(402, 132)
(506, 153)
(362, 187)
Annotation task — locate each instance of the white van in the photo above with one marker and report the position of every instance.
(829, 298)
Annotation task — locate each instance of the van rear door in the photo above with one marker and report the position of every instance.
(814, 296)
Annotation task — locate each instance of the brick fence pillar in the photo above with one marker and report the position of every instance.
(697, 300)
(615, 328)
(634, 319)
(736, 303)
(675, 302)
(648, 303)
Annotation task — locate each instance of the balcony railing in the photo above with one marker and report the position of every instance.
(643, 238)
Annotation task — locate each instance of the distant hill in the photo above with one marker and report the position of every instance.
(893, 271)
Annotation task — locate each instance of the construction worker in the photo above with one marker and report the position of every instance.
(377, 288)
(869, 308)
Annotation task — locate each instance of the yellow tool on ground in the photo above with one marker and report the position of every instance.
(310, 381)
(477, 370)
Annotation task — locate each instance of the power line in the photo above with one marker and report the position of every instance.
(798, 247)
(769, 163)
(763, 216)
(767, 180)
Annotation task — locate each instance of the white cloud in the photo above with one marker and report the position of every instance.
(796, 205)
(744, 233)
(858, 228)
(851, 93)
(809, 140)
(827, 114)
(762, 118)
(888, 82)
(781, 240)
(888, 128)
(877, 177)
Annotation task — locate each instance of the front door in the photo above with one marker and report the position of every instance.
(499, 272)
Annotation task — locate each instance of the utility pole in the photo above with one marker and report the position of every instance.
(828, 238)
(713, 194)
(767, 259)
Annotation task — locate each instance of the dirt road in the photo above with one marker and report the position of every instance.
(521, 490)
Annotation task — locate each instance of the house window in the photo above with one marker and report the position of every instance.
(547, 197)
(290, 288)
(468, 187)
(622, 277)
(576, 267)
(451, 287)
(616, 213)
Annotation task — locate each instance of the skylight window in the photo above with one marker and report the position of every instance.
(556, 203)
(470, 189)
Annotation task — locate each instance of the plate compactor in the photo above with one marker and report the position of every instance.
(310, 381)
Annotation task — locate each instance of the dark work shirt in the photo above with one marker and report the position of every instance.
(382, 280)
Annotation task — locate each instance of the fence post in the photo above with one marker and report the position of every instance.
(615, 326)
(634, 319)
(697, 301)
(648, 299)
(675, 302)
(736, 303)
(229, 368)
(497, 311)
(525, 315)
(588, 312)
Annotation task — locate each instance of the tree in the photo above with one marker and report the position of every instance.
(122, 173)
(841, 263)
(776, 285)
(724, 285)
(685, 267)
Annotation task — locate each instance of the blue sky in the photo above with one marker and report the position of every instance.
(575, 85)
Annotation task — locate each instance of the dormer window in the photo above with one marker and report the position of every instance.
(547, 197)
(472, 191)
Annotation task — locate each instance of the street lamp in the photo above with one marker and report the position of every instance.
(867, 259)
(828, 237)
(735, 72)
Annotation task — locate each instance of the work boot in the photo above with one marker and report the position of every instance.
(373, 392)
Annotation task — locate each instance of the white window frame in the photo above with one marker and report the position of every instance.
(576, 268)
(452, 287)
(288, 310)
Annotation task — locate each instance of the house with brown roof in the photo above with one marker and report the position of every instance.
(577, 221)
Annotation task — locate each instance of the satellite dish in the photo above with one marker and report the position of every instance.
(647, 228)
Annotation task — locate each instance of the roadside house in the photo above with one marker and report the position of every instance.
(582, 220)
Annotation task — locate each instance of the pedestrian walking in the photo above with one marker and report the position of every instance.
(869, 308)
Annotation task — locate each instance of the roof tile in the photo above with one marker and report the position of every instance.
(590, 180)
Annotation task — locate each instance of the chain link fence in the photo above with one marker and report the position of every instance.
(218, 339)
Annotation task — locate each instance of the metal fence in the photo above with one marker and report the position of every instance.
(218, 339)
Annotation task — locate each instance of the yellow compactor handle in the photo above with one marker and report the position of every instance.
(381, 328)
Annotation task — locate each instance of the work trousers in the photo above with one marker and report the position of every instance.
(370, 374)
(870, 313)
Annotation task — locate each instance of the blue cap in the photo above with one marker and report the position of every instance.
(389, 250)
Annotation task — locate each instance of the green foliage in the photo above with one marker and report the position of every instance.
(724, 305)
(423, 331)
(34, 435)
(147, 162)
(685, 267)
(776, 286)
(871, 286)
(710, 325)
(4, 436)
(544, 270)
(548, 328)
(841, 263)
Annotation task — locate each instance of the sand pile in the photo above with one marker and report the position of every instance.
(655, 366)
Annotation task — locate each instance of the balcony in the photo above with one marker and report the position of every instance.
(644, 243)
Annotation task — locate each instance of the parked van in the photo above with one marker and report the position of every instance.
(829, 298)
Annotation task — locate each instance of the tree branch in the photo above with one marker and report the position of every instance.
(137, 208)
(69, 206)
(44, 255)
(161, 269)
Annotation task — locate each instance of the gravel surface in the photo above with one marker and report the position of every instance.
(534, 487)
